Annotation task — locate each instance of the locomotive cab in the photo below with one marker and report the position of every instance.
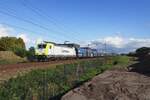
(43, 50)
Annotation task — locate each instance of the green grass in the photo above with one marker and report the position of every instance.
(121, 59)
(44, 84)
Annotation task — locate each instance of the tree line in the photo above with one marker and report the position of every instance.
(142, 52)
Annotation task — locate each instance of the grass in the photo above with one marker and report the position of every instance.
(8, 57)
(14, 61)
(122, 59)
(44, 84)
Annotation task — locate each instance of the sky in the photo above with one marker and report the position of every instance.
(123, 25)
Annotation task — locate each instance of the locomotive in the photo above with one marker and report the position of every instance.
(50, 50)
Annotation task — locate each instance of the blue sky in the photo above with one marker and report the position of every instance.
(79, 20)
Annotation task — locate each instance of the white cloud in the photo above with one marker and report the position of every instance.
(39, 40)
(120, 44)
(9, 31)
(115, 41)
(24, 37)
(139, 42)
(5, 31)
(84, 43)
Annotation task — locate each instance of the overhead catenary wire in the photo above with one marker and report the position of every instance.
(28, 21)
(28, 30)
(22, 28)
(36, 11)
(14, 26)
(40, 13)
(10, 10)
(22, 19)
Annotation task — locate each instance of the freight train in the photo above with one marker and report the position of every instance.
(50, 50)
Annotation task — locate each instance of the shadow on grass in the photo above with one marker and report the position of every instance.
(77, 84)
(59, 96)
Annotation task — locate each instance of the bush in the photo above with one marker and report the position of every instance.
(31, 54)
(20, 52)
(115, 62)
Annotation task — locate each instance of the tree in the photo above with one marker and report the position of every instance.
(142, 52)
(31, 54)
(10, 43)
(14, 44)
(132, 54)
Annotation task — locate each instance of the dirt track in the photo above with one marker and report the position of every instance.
(113, 85)
(11, 70)
(132, 83)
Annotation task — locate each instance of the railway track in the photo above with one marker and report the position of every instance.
(12, 70)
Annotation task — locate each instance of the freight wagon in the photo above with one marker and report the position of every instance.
(95, 53)
(85, 52)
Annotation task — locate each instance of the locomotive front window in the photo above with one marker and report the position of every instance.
(41, 46)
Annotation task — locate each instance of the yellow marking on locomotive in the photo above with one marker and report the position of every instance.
(48, 46)
(46, 49)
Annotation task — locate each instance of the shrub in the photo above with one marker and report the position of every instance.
(31, 54)
(20, 52)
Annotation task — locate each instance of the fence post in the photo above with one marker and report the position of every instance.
(65, 70)
(77, 71)
(45, 87)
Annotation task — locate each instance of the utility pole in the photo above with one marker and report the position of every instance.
(105, 46)
(105, 50)
(87, 53)
(88, 45)
(97, 49)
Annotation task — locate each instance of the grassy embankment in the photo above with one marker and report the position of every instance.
(52, 83)
(8, 57)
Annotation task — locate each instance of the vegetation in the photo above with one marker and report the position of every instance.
(123, 60)
(17, 46)
(31, 54)
(13, 44)
(8, 57)
(141, 52)
(52, 83)
(20, 52)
